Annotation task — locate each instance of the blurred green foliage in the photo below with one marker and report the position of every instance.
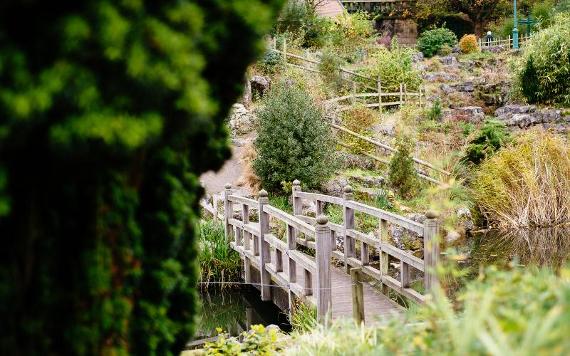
(430, 42)
(109, 111)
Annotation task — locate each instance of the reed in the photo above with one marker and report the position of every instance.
(526, 184)
(218, 261)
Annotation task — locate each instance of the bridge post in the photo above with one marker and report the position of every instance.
(431, 251)
(228, 212)
(264, 250)
(297, 202)
(357, 296)
(323, 259)
(348, 224)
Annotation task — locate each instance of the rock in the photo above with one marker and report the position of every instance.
(241, 120)
(448, 60)
(259, 86)
(440, 77)
(473, 114)
(309, 208)
(452, 237)
(349, 160)
(456, 50)
(509, 110)
(368, 181)
(386, 128)
(523, 116)
(466, 219)
(417, 217)
(417, 57)
(465, 87)
(522, 120)
(447, 89)
(335, 186)
(494, 49)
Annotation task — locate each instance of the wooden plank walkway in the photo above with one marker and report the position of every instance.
(377, 306)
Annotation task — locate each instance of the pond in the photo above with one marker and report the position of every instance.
(235, 310)
(543, 247)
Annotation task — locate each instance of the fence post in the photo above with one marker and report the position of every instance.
(323, 259)
(285, 49)
(264, 251)
(228, 212)
(431, 251)
(405, 93)
(357, 296)
(401, 94)
(379, 94)
(420, 95)
(353, 98)
(348, 222)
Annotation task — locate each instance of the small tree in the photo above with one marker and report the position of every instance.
(402, 175)
(293, 141)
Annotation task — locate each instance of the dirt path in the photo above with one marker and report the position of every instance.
(214, 182)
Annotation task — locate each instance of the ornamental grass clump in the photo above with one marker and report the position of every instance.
(402, 174)
(526, 184)
(468, 44)
(218, 261)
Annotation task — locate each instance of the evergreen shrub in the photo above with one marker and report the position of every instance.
(431, 41)
(294, 141)
(402, 175)
(492, 136)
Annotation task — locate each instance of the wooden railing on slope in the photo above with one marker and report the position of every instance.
(390, 149)
(277, 260)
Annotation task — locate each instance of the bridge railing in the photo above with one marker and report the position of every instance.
(369, 243)
(279, 261)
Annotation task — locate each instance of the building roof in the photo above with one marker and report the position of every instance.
(330, 8)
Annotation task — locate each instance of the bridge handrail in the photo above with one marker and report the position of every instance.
(290, 220)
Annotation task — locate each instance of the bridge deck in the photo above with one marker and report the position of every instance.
(377, 306)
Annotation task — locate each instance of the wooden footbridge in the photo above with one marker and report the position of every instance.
(307, 263)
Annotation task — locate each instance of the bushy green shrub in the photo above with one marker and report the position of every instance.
(294, 141)
(393, 66)
(259, 340)
(468, 44)
(430, 42)
(271, 62)
(543, 71)
(517, 312)
(526, 184)
(402, 175)
(348, 32)
(492, 136)
(329, 70)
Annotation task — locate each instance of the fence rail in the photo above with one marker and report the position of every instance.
(390, 149)
(502, 42)
(308, 275)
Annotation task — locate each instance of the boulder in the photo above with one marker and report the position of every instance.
(440, 77)
(465, 218)
(523, 116)
(259, 86)
(464, 87)
(335, 186)
(473, 114)
(349, 160)
(448, 60)
(241, 120)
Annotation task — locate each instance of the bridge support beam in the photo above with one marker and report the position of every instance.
(431, 251)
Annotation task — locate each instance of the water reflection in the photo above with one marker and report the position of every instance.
(235, 310)
(543, 247)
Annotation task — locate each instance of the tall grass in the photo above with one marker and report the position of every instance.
(218, 262)
(303, 317)
(526, 184)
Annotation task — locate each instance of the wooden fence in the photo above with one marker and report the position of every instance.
(502, 42)
(281, 263)
(421, 165)
(399, 98)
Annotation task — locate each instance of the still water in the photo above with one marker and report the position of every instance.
(542, 247)
(235, 310)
